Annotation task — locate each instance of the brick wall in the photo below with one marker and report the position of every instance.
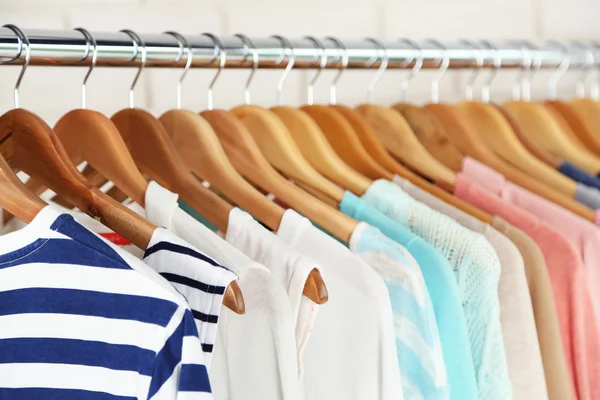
(51, 92)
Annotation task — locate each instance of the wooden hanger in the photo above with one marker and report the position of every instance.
(15, 197)
(468, 140)
(278, 146)
(155, 155)
(500, 137)
(353, 150)
(399, 139)
(200, 149)
(430, 133)
(248, 160)
(530, 145)
(589, 111)
(373, 146)
(315, 147)
(538, 123)
(28, 144)
(578, 124)
(197, 145)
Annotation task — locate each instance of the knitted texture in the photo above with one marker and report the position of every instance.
(477, 270)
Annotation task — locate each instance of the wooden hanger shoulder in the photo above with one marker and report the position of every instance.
(502, 139)
(246, 157)
(399, 139)
(430, 132)
(16, 198)
(278, 146)
(315, 147)
(529, 144)
(539, 124)
(589, 110)
(579, 125)
(201, 151)
(89, 136)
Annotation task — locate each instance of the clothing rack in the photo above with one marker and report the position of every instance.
(119, 49)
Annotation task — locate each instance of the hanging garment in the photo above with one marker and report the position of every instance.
(579, 175)
(443, 291)
(78, 321)
(417, 339)
(516, 313)
(352, 352)
(583, 234)
(574, 305)
(265, 332)
(289, 268)
(477, 269)
(544, 310)
(588, 196)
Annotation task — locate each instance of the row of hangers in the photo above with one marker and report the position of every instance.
(304, 156)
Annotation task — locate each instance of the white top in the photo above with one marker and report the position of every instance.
(289, 268)
(254, 357)
(352, 351)
(78, 320)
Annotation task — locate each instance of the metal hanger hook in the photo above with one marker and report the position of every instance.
(249, 47)
(595, 88)
(444, 64)
(222, 54)
(385, 58)
(586, 69)
(322, 64)
(343, 65)
(414, 70)
(23, 43)
(289, 49)
(536, 63)
(497, 64)
(563, 67)
(518, 92)
(184, 48)
(137, 42)
(90, 44)
(479, 61)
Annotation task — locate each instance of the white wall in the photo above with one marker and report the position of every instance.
(51, 92)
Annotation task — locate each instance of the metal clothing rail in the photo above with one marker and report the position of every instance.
(72, 48)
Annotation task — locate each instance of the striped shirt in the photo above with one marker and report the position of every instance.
(79, 321)
(199, 278)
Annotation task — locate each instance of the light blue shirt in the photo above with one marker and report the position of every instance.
(443, 291)
(418, 344)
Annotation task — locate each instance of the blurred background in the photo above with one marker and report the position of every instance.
(51, 92)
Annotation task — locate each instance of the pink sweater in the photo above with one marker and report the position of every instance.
(579, 331)
(583, 234)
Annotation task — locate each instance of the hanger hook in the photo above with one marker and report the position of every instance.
(444, 64)
(478, 56)
(414, 70)
(343, 65)
(184, 48)
(385, 58)
(518, 87)
(497, 64)
(586, 69)
(595, 88)
(530, 72)
(137, 42)
(222, 54)
(90, 43)
(289, 49)
(562, 68)
(23, 42)
(249, 47)
(322, 64)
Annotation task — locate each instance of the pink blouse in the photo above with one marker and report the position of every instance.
(583, 234)
(579, 331)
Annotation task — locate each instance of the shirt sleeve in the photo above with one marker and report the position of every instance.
(179, 369)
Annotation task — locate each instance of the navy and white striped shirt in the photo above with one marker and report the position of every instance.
(77, 321)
